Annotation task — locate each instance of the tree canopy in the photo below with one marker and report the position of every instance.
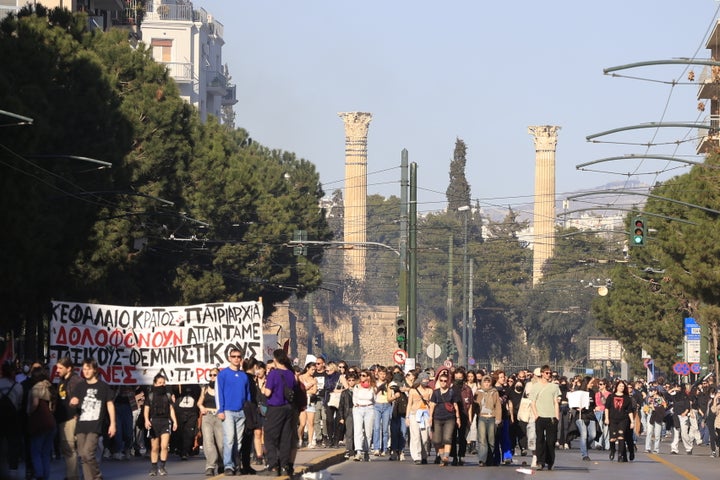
(189, 212)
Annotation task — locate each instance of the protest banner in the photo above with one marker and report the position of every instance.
(133, 344)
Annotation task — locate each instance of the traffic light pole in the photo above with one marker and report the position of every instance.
(403, 293)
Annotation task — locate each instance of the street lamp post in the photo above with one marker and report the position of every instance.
(464, 327)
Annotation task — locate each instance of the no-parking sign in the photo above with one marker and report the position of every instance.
(681, 368)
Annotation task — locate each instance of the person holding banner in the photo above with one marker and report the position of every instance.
(95, 401)
(233, 390)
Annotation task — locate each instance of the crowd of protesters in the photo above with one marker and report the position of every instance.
(251, 418)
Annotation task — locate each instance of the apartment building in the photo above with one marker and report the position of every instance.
(190, 42)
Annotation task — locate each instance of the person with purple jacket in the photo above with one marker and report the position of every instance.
(279, 420)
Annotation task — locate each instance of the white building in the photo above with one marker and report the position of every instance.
(190, 43)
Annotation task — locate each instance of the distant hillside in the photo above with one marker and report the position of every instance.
(525, 211)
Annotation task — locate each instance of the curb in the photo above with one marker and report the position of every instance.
(317, 464)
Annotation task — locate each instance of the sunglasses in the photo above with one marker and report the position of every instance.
(546, 373)
(235, 356)
(212, 375)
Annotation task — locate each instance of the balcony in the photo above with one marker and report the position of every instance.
(181, 72)
(230, 97)
(709, 83)
(708, 140)
(216, 82)
(169, 12)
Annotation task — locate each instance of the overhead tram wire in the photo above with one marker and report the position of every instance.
(687, 63)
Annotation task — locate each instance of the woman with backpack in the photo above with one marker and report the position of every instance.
(399, 400)
(41, 422)
(160, 419)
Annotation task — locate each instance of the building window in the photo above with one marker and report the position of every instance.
(161, 49)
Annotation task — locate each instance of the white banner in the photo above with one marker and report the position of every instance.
(133, 344)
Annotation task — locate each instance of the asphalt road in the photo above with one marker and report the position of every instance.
(568, 465)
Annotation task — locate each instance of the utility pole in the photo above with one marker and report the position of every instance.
(412, 248)
(449, 309)
(471, 317)
(466, 210)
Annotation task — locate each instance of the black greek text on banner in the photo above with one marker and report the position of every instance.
(133, 344)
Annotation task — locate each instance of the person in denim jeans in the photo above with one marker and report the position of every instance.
(656, 407)
(383, 412)
(489, 415)
(585, 421)
(233, 390)
(363, 415)
(600, 397)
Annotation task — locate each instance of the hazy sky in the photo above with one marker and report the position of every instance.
(483, 71)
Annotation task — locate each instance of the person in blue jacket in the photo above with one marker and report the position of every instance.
(233, 390)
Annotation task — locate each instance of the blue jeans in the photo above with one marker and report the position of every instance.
(586, 430)
(233, 427)
(41, 447)
(486, 437)
(381, 428)
(123, 439)
(605, 438)
(653, 436)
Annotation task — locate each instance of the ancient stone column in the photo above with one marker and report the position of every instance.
(355, 194)
(545, 137)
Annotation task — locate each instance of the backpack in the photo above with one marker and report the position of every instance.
(288, 392)
(160, 405)
(401, 404)
(8, 412)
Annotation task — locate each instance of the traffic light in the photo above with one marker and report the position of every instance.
(401, 332)
(638, 232)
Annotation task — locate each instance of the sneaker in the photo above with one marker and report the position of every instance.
(153, 472)
(209, 472)
(229, 472)
(376, 453)
(162, 472)
(481, 464)
(118, 456)
(106, 454)
(461, 461)
(358, 457)
(417, 462)
(586, 458)
(382, 453)
(312, 444)
(402, 457)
